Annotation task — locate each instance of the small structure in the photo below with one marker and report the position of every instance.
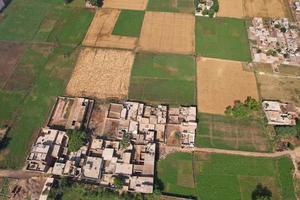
(206, 8)
(279, 113)
(3, 132)
(91, 170)
(71, 113)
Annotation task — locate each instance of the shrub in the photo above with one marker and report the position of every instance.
(77, 139)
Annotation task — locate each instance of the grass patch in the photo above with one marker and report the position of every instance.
(44, 21)
(52, 73)
(129, 23)
(224, 38)
(185, 6)
(163, 78)
(225, 132)
(9, 104)
(227, 176)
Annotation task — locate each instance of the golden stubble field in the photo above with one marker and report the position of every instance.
(168, 33)
(220, 83)
(254, 8)
(101, 28)
(126, 4)
(101, 73)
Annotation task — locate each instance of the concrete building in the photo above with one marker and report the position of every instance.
(279, 113)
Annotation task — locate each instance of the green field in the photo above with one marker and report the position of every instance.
(185, 6)
(214, 176)
(224, 38)
(44, 21)
(223, 132)
(129, 23)
(163, 78)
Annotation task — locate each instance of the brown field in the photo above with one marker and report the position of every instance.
(10, 54)
(283, 88)
(266, 8)
(220, 83)
(126, 4)
(101, 74)
(232, 8)
(254, 8)
(99, 33)
(168, 33)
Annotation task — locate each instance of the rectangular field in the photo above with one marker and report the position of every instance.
(216, 131)
(129, 23)
(101, 74)
(126, 4)
(183, 6)
(10, 53)
(100, 32)
(163, 78)
(224, 38)
(219, 176)
(220, 83)
(168, 33)
(279, 87)
(254, 8)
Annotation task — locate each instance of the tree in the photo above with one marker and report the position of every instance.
(119, 181)
(261, 193)
(125, 142)
(77, 139)
(96, 3)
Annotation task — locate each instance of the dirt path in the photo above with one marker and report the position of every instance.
(20, 174)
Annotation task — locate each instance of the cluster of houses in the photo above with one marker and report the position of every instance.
(205, 8)
(274, 41)
(281, 114)
(127, 155)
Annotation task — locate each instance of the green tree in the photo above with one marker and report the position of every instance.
(119, 181)
(261, 193)
(96, 3)
(77, 139)
(125, 142)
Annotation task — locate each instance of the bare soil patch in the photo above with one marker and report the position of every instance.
(220, 83)
(10, 54)
(126, 4)
(101, 74)
(100, 32)
(168, 33)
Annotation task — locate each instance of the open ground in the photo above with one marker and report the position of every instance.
(207, 176)
(168, 33)
(163, 78)
(100, 32)
(220, 83)
(216, 131)
(184, 6)
(254, 8)
(224, 38)
(126, 4)
(101, 73)
(279, 87)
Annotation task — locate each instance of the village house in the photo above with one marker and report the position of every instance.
(274, 41)
(49, 147)
(71, 113)
(278, 113)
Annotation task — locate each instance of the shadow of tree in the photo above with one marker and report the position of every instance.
(261, 193)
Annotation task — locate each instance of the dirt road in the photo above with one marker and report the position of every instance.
(19, 174)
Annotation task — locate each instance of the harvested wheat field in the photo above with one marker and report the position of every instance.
(126, 4)
(168, 33)
(101, 73)
(266, 8)
(232, 8)
(220, 83)
(100, 32)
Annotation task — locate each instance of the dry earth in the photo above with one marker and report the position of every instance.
(168, 33)
(101, 74)
(126, 4)
(253, 8)
(220, 83)
(101, 28)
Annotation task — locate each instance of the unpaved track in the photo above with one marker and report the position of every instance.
(20, 174)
